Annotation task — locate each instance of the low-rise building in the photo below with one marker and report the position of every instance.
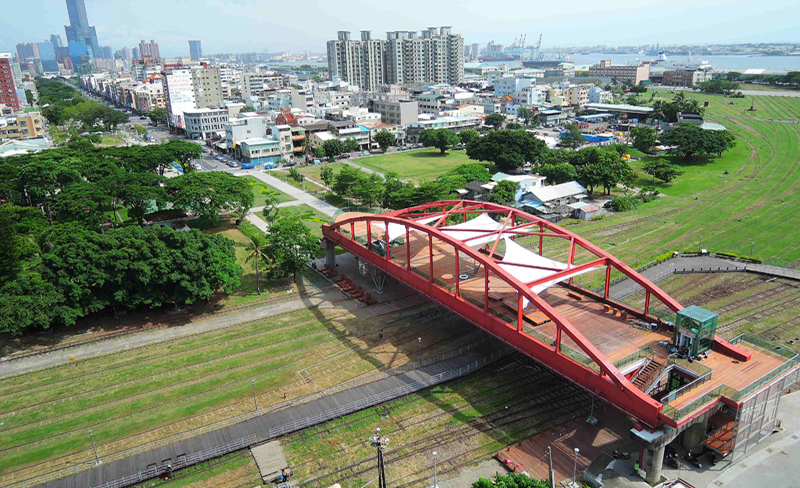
(455, 123)
(23, 125)
(686, 77)
(632, 74)
(555, 195)
(244, 128)
(598, 95)
(202, 123)
(400, 112)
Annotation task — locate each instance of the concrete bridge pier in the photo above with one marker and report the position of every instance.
(330, 252)
(654, 444)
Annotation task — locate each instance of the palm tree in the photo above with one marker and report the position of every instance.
(256, 252)
(679, 97)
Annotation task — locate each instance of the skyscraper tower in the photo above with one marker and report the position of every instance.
(79, 30)
(195, 49)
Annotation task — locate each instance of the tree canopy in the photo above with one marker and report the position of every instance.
(211, 193)
(508, 149)
(385, 139)
(503, 193)
(495, 120)
(571, 137)
(289, 246)
(441, 139)
(690, 141)
(512, 480)
(643, 138)
(662, 169)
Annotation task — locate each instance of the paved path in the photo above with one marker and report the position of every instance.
(705, 263)
(221, 321)
(363, 168)
(295, 193)
(260, 426)
(764, 93)
(784, 121)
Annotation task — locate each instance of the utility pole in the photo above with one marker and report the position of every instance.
(96, 458)
(575, 468)
(435, 483)
(255, 402)
(380, 443)
(551, 473)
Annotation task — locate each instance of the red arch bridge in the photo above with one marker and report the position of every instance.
(519, 277)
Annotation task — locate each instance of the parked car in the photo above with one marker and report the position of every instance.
(365, 153)
(248, 165)
(289, 164)
(341, 156)
(270, 166)
(316, 161)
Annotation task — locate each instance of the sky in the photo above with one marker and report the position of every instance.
(230, 26)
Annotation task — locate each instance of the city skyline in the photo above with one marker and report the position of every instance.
(247, 30)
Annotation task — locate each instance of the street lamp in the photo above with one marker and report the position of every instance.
(419, 348)
(96, 458)
(380, 443)
(752, 243)
(255, 402)
(575, 468)
(435, 484)
(701, 243)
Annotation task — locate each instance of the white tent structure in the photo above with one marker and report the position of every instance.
(399, 230)
(476, 232)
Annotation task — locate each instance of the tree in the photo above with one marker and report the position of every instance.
(503, 193)
(571, 137)
(662, 169)
(326, 175)
(333, 148)
(256, 251)
(139, 191)
(350, 145)
(508, 149)
(345, 182)
(441, 139)
(158, 116)
(494, 120)
(289, 246)
(511, 480)
(601, 167)
(369, 189)
(513, 126)
(385, 139)
(54, 114)
(10, 245)
(29, 97)
(248, 108)
(643, 138)
(184, 153)
(558, 173)
(82, 202)
(211, 193)
(528, 117)
(718, 85)
(319, 152)
(690, 141)
(468, 135)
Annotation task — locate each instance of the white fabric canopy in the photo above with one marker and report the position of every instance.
(399, 230)
(518, 254)
(479, 230)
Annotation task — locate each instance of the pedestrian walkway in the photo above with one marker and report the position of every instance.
(698, 264)
(281, 422)
(299, 195)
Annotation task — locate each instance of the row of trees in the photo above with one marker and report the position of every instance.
(61, 103)
(66, 251)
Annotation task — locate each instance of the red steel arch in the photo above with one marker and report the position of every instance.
(608, 383)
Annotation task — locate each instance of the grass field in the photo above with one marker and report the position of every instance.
(139, 395)
(786, 108)
(418, 165)
(756, 202)
(262, 190)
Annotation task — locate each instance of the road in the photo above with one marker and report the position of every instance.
(299, 195)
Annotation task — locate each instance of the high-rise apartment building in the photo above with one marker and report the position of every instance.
(432, 56)
(195, 50)
(56, 41)
(207, 87)
(148, 51)
(28, 51)
(8, 90)
(179, 94)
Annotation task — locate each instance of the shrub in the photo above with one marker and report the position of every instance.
(623, 203)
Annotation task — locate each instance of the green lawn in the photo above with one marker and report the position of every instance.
(766, 107)
(262, 190)
(111, 139)
(310, 216)
(756, 202)
(418, 165)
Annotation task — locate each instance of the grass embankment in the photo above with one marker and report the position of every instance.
(756, 202)
(766, 107)
(134, 397)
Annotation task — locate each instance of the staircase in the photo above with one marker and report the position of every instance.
(649, 372)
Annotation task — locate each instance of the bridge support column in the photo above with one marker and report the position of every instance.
(330, 253)
(653, 444)
(694, 436)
